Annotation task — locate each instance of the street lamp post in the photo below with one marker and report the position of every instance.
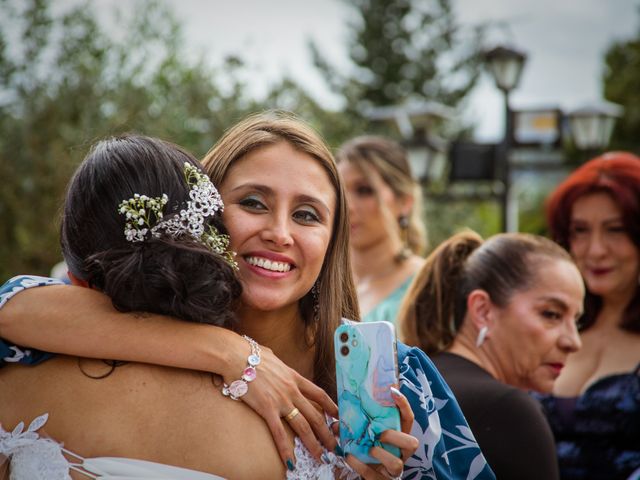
(505, 65)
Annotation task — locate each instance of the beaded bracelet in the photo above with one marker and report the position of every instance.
(240, 387)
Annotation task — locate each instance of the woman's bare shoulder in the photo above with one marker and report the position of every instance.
(173, 416)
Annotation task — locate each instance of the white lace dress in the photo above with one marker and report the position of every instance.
(33, 457)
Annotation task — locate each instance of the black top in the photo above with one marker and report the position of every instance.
(508, 424)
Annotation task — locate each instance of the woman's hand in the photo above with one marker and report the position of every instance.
(276, 392)
(390, 466)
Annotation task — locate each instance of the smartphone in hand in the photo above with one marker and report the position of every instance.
(366, 369)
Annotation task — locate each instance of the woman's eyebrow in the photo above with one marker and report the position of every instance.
(253, 186)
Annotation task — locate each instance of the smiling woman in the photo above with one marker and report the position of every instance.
(286, 214)
(595, 407)
(499, 316)
(293, 218)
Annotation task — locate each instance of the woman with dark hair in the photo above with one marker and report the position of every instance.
(141, 224)
(595, 407)
(388, 236)
(499, 319)
(286, 215)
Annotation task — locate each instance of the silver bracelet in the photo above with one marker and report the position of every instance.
(240, 387)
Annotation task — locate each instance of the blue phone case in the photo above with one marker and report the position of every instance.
(366, 367)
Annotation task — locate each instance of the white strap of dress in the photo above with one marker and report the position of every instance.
(115, 468)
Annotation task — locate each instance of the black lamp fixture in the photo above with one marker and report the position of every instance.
(591, 126)
(505, 64)
(414, 122)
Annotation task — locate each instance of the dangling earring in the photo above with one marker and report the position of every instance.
(482, 335)
(405, 251)
(315, 296)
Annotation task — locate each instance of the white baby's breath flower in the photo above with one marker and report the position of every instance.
(205, 202)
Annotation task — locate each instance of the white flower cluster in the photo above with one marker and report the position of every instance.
(138, 211)
(204, 202)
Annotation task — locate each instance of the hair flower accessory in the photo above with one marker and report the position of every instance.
(145, 215)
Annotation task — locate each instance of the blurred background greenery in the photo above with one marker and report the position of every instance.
(66, 81)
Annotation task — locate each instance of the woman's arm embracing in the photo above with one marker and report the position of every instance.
(82, 322)
(11, 346)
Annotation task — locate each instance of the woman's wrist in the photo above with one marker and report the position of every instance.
(225, 353)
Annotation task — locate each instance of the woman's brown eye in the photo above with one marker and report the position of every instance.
(364, 191)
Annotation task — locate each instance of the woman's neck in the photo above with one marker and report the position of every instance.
(374, 261)
(282, 331)
(464, 346)
(613, 307)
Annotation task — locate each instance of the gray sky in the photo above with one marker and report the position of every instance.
(565, 41)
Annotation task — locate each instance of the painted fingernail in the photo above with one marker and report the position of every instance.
(325, 458)
(290, 465)
(339, 451)
(395, 391)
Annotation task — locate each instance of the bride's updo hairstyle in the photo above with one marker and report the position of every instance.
(166, 273)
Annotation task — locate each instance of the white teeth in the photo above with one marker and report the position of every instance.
(269, 264)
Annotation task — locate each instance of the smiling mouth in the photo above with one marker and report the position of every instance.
(267, 264)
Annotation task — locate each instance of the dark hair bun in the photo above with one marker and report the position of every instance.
(168, 276)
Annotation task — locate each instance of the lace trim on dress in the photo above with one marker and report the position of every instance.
(32, 456)
(308, 468)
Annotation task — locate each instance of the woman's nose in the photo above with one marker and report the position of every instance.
(596, 245)
(570, 338)
(278, 231)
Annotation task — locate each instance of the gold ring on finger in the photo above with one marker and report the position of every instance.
(292, 414)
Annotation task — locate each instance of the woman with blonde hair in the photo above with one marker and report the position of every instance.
(388, 237)
(291, 241)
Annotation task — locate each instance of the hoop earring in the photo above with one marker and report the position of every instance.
(405, 251)
(482, 335)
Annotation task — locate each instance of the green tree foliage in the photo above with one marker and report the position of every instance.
(622, 85)
(404, 49)
(65, 83)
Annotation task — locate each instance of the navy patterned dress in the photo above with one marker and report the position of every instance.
(598, 433)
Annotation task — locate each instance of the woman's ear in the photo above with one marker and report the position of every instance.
(480, 309)
(76, 281)
(405, 205)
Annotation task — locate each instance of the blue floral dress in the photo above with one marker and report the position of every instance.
(448, 449)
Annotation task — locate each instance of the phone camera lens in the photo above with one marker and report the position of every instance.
(344, 350)
(344, 336)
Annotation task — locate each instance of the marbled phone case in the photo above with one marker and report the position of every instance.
(366, 367)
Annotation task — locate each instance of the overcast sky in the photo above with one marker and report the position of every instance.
(565, 41)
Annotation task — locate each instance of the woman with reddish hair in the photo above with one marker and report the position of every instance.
(595, 408)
